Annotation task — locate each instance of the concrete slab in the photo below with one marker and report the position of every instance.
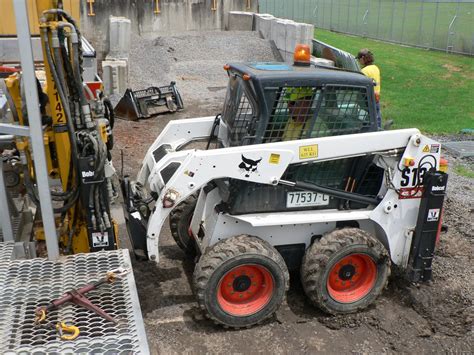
(240, 21)
(462, 149)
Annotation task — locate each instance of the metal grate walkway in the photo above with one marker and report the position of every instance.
(27, 284)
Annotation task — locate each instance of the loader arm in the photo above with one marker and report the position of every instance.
(176, 134)
(263, 163)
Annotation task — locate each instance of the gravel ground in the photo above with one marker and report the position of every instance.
(194, 61)
(432, 318)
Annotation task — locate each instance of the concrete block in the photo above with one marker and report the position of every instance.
(119, 37)
(240, 21)
(278, 32)
(307, 35)
(293, 36)
(263, 24)
(115, 76)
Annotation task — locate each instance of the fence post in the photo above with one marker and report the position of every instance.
(365, 22)
(348, 14)
(339, 27)
(403, 20)
(421, 24)
(391, 22)
(451, 29)
(330, 16)
(316, 14)
(378, 19)
(435, 24)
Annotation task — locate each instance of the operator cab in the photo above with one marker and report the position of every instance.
(274, 102)
(271, 102)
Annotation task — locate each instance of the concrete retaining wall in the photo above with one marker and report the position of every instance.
(174, 16)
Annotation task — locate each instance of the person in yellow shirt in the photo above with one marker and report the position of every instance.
(299, 102)
(366, 60)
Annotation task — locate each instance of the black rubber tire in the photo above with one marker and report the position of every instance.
(225, 256)
(180, 219)
(324, 254)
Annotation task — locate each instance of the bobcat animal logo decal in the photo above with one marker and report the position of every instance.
(248, 165)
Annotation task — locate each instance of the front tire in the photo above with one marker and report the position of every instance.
(180, 220)
(240, 281)
(345, 271)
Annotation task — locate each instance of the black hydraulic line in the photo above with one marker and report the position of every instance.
(59, 67)
(214, 126)
(62, 96)
(77, 74)
(69, 19)
(77, 65)
(34, 197)
(98, 210)
(110, 115)
(336, 193)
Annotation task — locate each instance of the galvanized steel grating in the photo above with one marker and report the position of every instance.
(6, 251)
(28, 284)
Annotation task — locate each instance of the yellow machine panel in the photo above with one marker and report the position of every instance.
(7, 22)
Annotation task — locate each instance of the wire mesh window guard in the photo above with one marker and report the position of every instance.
(238, 114)
(310, 112)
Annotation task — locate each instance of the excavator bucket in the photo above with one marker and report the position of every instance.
(146, 103)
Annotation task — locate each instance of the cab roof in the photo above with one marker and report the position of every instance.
(291, 74)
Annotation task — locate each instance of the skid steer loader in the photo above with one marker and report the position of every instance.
(301, 179)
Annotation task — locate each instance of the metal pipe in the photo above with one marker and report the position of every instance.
(7, 138)
(37, 141)
(6, 222)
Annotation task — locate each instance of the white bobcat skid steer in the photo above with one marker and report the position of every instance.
(329, 194)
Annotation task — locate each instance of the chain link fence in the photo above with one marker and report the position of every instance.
(446, 25)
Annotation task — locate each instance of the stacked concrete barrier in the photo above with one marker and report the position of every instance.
(120, 29)
(115, 76)
(115, 67)
(263, 24)
(240, 21)
(285, 33)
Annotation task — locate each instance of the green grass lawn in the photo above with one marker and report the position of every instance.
(429, 90)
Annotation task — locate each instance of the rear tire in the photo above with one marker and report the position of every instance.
(240, 281)
(180, 220)
(345, 271)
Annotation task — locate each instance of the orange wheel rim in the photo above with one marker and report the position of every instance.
(245, 290)
(352, 278)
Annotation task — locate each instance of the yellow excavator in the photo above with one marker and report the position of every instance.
(77, 123)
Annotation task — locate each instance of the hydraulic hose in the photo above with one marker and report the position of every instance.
(59, 67)
(34, 197)
(77, 65)
(85, 108)
(59, 86)
(110, 112)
